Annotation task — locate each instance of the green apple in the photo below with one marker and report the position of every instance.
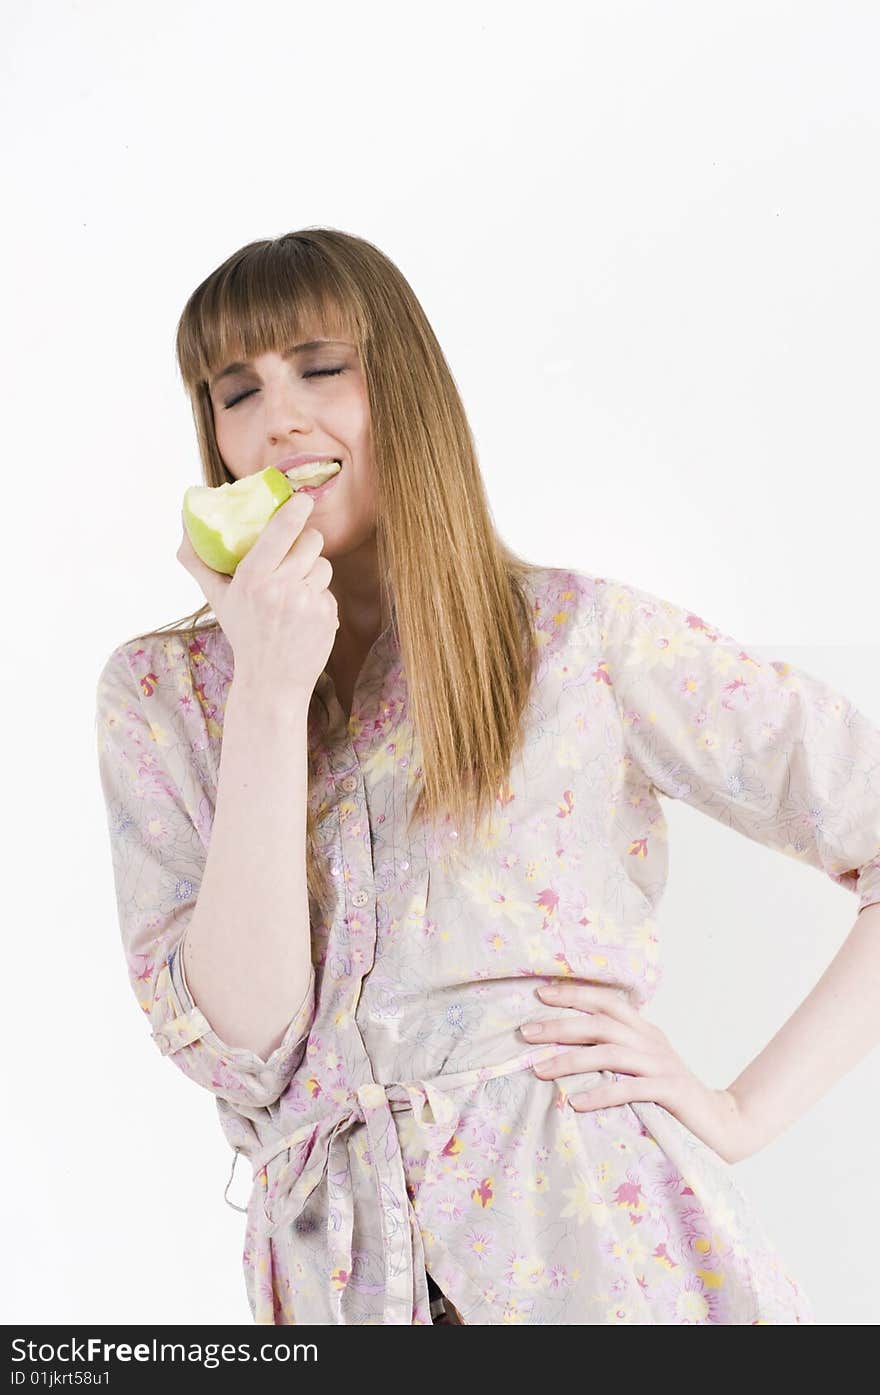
(225, 520)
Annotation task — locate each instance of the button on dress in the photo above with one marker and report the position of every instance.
(398, 1129)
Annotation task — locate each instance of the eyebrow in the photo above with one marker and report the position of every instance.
(231, 368)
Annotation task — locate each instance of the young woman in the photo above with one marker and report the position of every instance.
(388, 845)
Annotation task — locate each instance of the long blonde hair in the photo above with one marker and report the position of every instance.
(461, 613)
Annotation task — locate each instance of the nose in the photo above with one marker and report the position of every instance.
(286, 410)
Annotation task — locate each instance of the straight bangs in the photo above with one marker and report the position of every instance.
(264, 299)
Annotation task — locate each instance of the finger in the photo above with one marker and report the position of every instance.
(591, 997)
(187, 553)
(279, 535)
(211, 581)
(634, 1089)
(602, 1057)
(586, 1027)
(186, 550)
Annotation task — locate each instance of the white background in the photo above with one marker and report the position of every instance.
(646, 236)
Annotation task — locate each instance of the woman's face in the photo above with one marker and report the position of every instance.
(312, 400)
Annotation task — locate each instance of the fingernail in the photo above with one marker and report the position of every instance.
(529, 1029)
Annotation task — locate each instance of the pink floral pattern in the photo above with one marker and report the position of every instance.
(399, 1127)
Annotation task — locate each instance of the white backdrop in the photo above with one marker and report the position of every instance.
(646, 237)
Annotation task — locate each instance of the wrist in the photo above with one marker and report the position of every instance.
(262, 699)
(258, 707)
(746, 1138)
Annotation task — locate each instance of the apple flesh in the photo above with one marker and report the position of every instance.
(224, 521)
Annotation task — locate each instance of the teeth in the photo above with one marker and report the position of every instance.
(315, 472)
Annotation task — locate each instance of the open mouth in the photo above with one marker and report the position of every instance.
(314, 473)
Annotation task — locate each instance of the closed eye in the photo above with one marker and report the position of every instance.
(315, 373)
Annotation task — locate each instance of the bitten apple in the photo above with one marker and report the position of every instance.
(224, 521)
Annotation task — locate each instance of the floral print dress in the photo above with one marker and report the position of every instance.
(398, 1130)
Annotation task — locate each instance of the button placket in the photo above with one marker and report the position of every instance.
(401, 851)
(355, 874)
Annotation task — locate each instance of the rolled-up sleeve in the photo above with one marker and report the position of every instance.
(155, 807)
(762, 746)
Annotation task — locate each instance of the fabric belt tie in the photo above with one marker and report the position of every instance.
(320, 1148)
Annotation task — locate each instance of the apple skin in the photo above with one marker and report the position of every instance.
(257, 495)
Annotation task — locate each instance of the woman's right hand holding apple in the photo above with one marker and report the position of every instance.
(276, 610)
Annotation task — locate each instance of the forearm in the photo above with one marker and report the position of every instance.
(247, 950)
(835, 1026)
